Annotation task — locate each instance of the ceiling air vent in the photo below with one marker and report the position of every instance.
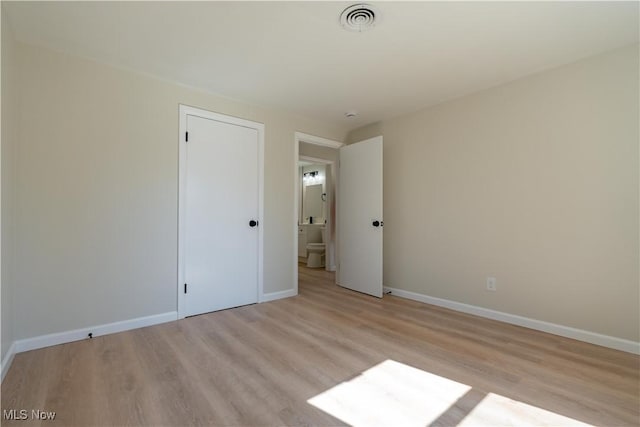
(359, 17)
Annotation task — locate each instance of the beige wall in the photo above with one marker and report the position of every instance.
(534, 182)
(318, 151)
(97, 183)
(9, 106)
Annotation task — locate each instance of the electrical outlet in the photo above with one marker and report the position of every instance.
(492, 284)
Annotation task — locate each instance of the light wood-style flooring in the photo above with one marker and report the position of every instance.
(259, 365)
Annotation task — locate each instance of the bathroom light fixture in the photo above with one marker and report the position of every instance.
(311, 177)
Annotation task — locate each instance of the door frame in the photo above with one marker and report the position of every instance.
(315, 140)
(184, 111)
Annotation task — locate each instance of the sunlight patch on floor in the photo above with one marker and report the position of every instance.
(390, 394)
(496, 410)
(395, 394)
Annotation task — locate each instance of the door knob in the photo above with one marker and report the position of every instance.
(377, 223)
(253, 223)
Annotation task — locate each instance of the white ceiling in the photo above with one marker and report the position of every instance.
(296, 56)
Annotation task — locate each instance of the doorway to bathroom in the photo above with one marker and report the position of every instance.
(315, 205)
(349, 217)
(316, 214)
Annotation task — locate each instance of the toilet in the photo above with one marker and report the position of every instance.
(315, 252)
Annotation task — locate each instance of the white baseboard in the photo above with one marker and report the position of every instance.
(8, 358)
(80, 334)
(552, 328)
(272, 296)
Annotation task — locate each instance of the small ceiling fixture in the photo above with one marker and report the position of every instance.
(359, 17)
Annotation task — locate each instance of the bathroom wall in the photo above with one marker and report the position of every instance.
(314, 233)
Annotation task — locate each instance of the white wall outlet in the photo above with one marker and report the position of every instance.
(492, 284)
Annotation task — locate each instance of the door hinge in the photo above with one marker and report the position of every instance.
(186, 137)
(185, 288)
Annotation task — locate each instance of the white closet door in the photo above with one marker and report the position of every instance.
(221, 206)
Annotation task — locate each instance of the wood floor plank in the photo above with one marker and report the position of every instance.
(263, 364)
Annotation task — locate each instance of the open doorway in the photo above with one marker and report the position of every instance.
(316, 179)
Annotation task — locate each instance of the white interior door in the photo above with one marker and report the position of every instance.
(221, 201)
(360, 217)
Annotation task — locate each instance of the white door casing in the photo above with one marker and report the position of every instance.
(220, 253)
(360, 221)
